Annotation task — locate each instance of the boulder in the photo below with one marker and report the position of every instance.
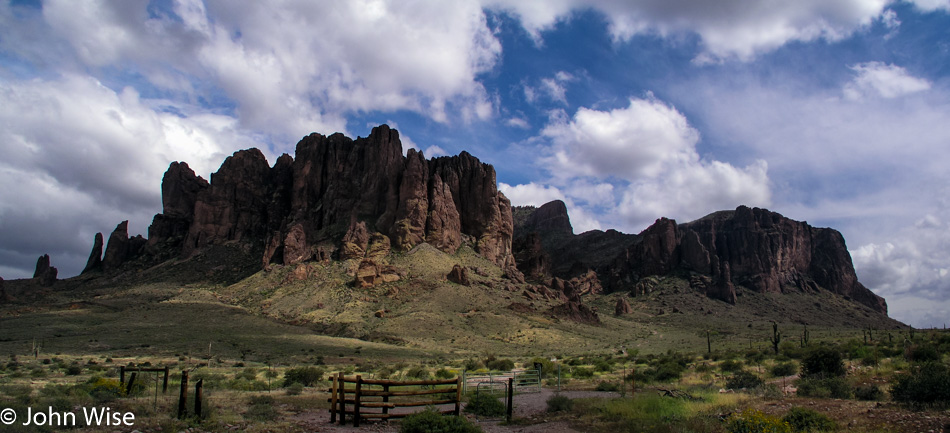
(459, 275)
(622, 307)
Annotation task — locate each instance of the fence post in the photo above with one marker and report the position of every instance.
(198, 387)
(165, 381)
(342, 398)
(128, 388)
(356, 404)
(333, 386)
(511, 393)
(458, 396)
(385, 399)
(183, 395)
(122, 375)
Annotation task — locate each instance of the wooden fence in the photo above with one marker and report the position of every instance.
(376, 394)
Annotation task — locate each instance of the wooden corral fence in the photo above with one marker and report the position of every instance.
(360, 397)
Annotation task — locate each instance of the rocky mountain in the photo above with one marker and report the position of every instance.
(337, 198)
(749, 247)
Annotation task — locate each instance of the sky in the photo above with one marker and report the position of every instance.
(836, 112)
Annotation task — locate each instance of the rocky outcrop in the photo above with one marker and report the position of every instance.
(575, 311)
(444, 225)
(371, 273)
(586, 284)
(459, 275)
(754, 248)
(3, 292)
(121, 248)
(94, 263)
(180, 190)
(622, 307)
(44, 274)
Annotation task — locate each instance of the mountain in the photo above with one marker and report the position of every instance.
(352, 238)
(750, 247)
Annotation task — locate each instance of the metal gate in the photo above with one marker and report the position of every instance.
(524, 380)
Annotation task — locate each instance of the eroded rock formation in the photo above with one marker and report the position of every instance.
(44, 274)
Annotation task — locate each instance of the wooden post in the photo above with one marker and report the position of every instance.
(458, 396)
(385, 399)
(128, 388)
(183, 395)
(165, 381)
(342, 399)
(356, 404)
(198, 387)
(122, 375)
(333, 386)
(511, 393)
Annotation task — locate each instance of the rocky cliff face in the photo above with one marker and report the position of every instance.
(44, 274)
(749, 247)
(329, 201)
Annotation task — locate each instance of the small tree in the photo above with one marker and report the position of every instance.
(821, 363)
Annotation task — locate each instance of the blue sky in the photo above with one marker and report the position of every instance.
(832, 111)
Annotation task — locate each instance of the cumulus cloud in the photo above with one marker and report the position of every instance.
(732, 29)
(535, 194)
(83, 158)
(883, 80)
(640, 162)
(284, 76)
(932, 5)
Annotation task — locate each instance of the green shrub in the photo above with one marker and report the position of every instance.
(603, 365)
(249, 373)
(548, 369)
(926, 384)
(808, 420)
(473, 364)
(559, 403)
(668, 372)
(484, 404)
(295, 389)
(418, 372)
(607, 386)
(500, 365)
(261, 408)
(444, 373)
(306, 376)
(431, 421)
(822, 362)
(783, 369)
(869, 392)
(104, 390)
(921, 353)
(582, 373)
(832, 387)
(730, 365)
(753, 421)
(743, 379)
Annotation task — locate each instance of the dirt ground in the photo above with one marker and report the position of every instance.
(532, 407)
(866, 415)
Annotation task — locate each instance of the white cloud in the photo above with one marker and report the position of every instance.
(517, 122)
(534, 194)
(638, 162)
(931, 5)
(297, 66)
(434, 151)
(84, 158)
(884, 80)
(530, 194)
(730, 29)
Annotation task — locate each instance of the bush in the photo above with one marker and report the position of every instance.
(784, 369)
(473, 364)
(808, 420)
(431, 421)
(306, 376)
(73, 370)
(833, 387)
(926, 385)
(743, 379)
(869, 392)
(560, 403)
(548, 369)
(104, 390)
(418, 372)
(444, 373)
(249, 373)
(607, 387)
(753, 421)
(921, 353)
(730, 365)
(261, 409)
(668, 372)
(483, 404)
(500, 365)
(822, 362)
(295, 389)
(582, 373)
